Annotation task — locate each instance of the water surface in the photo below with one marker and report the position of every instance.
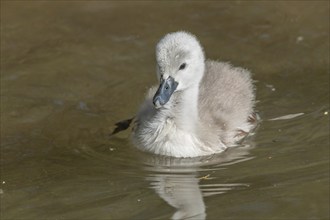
(71, 69)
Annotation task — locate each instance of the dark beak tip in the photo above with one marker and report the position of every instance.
(157, 102)
(164, 92)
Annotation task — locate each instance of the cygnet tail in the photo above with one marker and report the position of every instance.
(248, 128)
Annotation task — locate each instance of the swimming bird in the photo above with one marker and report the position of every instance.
(200, 107)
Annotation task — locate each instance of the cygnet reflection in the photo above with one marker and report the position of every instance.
(182, 182)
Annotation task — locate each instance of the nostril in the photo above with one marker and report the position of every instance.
(167, 87)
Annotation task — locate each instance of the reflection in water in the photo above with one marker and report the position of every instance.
(182, 192)
(179, 181)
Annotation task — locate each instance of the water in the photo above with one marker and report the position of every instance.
(71, 70)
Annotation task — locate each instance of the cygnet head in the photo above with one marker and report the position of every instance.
(180, 65)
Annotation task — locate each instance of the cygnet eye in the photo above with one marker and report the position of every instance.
(182, 66)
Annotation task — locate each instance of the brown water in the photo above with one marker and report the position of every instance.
(71, 69)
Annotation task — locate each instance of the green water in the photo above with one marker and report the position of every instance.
(71, 69)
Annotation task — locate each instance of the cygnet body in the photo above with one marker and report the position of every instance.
(200, 107)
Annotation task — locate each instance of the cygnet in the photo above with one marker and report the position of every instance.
(200, 107)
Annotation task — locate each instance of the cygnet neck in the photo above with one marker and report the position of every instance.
(187, 108)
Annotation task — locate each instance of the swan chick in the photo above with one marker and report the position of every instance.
(200, 107)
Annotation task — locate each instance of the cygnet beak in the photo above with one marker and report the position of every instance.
(165, 91)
